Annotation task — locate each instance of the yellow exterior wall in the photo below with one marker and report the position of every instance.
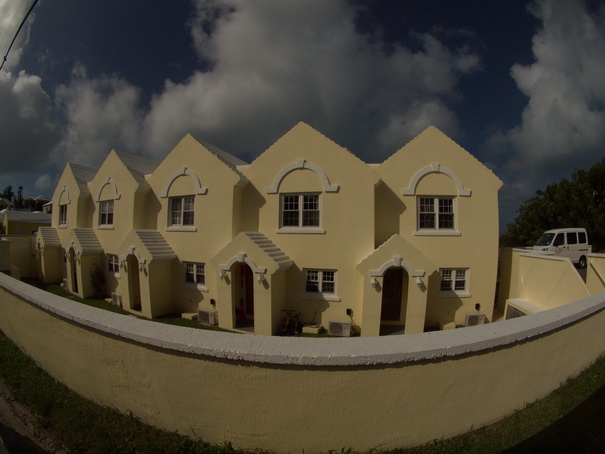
(542, 280)
(362, 206)
(474, 246)
(595, 273)
(248, 396)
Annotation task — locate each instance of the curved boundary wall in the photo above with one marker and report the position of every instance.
(311, 394)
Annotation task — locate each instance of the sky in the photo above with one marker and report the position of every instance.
(519, 84)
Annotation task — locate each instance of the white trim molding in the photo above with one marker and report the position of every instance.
(135, 253)
(65, 190)
(243, 258)
(199, 189)
(301, 164)
(397, 262)
(435, 168)
(109, 181)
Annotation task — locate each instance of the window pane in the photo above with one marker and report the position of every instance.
(427, 221)
(189, 272)
(572, 238)
(446, 221)
(290, 215)
(175, 211)
(312, 281)
(446, 280)
(460, 283)
(446, 213)
(327, 285)
(200, 278)
(310, 210)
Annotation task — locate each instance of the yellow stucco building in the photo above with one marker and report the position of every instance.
(410, 244)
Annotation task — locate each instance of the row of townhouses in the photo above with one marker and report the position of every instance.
(409, 244)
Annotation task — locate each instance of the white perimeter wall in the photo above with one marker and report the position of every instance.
(294, 394)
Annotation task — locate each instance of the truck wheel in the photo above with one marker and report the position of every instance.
(582, 262)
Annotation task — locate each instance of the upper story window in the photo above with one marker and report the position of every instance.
(181, 211)
(106, 212)
(436, 214)
(300, 210)
(62, 214)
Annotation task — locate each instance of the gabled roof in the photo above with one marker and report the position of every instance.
(261, 254)
(86, 242)
(154, 245)
(266, 245)
(227, 158)
(137, 165)
(83, 175)
(48, 237)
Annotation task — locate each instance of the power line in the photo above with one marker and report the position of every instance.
(17, 33)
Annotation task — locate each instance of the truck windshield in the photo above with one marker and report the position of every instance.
(545, 239)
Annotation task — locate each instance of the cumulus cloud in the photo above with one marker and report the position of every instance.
(11, 15)
(271, 64)
(100, 113)
(27, 123)
(563, 124)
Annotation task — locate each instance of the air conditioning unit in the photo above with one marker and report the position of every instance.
(342, 329)
(207, 316)
(475, 319)
(116, 299)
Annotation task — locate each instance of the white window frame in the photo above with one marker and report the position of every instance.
(300, 226)
(63, 215)
(326, 281)
(438, 216)
(113, 264)
(180, 224)
(106, 210)
(192, 271)
(454, 282)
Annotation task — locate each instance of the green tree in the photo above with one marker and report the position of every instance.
(8, 193)
(579, 202)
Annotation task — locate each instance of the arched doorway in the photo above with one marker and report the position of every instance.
(134, 284)
(243, 296)
(394, 301)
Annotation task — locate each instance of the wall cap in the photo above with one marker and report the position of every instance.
(313, 352)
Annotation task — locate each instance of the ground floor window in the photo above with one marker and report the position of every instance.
(113, 263)
(454, 280)
(194, 273)
(320, 281)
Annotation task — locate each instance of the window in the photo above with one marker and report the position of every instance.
(113, 263)
(320, 281)
(300, 210)
(194, 273)
(454, 280)
(62, 214)
(106, 213)
(181, 211)
(436, 213)
(572, 238)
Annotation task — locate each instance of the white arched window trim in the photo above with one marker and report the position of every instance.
(435, 168)
(109, 181)
(64, 191)
(301, 164)
(199, 189)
